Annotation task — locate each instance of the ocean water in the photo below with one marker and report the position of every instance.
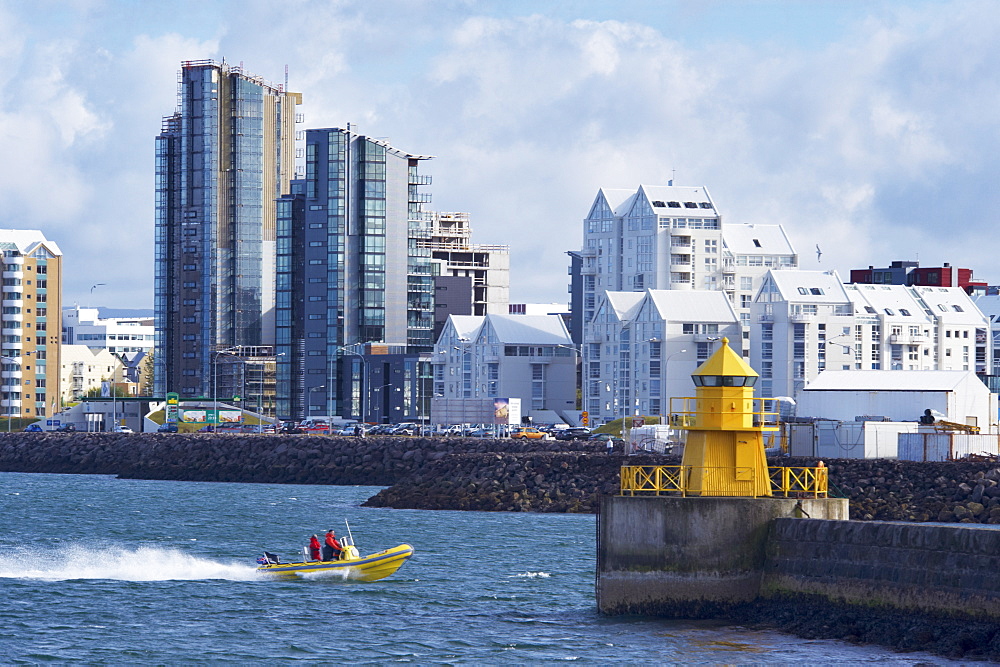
(95, 569)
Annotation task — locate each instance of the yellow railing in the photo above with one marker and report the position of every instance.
(684, 414)
(656, 480)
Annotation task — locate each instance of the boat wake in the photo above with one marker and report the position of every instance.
(120, 564)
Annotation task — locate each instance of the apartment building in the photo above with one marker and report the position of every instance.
(469, 278)
(118, 335)
(83, 369)
(642, 347)
(351, 270)
(672, 238)
(31, 322)
(530, 357)
(805, 322)
(222, 158)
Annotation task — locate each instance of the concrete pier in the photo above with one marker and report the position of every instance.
(689, 557)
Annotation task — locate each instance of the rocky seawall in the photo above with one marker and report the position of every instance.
(478, 474)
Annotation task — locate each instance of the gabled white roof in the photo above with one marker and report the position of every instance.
(951, 304)
(756, 240)
(789, 282)
(624, 304)
(466, 326)
(615, 197)
(678, 193)
(529, 329)
(885, 298)
(26, 240)
(693, 305)
(890, 380)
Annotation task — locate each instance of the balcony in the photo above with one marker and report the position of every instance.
(801, 317)
(15, 375)
(11, 402)
(12, 330)
(908, 339)
(13, 274)
(14, 259)
(12, 303)
(765, 317)
(13, 317)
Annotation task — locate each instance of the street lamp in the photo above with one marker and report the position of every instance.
(363, 389)
(309, 400)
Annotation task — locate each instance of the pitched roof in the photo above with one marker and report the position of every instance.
(693, 305)
(529, 329)
(625, 304)
(756, 240)
(789, 282)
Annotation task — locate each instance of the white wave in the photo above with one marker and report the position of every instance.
(121, 564)
(534, 575)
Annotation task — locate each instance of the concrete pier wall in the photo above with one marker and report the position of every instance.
(706, 557)
(688, 557)
(939, 569)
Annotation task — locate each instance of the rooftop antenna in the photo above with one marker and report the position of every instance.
(673, 174)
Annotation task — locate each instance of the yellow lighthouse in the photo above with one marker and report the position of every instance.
(724, 452)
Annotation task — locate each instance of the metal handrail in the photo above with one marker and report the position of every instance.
(785, 482)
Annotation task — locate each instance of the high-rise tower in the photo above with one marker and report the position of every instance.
(222, 159)
(351, 270)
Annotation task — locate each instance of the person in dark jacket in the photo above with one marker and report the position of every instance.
(332, 548)
(314, 547)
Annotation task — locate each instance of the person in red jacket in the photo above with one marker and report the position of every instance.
(332, 548)
(314, 548)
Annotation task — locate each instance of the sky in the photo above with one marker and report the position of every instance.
(865, 128)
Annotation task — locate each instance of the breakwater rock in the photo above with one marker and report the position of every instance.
(479, 474)
(275, 459)
(511, 482)
(890, 490)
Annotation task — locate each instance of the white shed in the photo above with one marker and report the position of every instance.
(899, 396)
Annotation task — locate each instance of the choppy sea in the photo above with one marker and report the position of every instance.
(99, 570)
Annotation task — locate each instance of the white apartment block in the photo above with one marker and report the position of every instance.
(805, 322)
(530, 357)
(642, 347)
(118, 335)
(84, 368)
(673, 238)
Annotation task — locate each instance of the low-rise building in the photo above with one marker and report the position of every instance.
(527, 357)
(84, 369)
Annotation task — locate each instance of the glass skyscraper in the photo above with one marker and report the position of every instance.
(222, 159)
(351, 276)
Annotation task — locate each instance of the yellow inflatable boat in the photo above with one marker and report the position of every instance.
(350, 564)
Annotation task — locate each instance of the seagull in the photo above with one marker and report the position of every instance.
(819, 253)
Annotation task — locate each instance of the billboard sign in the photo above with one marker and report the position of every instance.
(506, 410)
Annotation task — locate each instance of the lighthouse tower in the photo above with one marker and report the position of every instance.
(724, 451)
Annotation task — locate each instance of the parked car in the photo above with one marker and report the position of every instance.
(167, 428)
(124, 429)
(33, 428)
(574, 433)
(290, 427)
(604, 437)
(530, 433)
(405, 429)
(67, 428)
